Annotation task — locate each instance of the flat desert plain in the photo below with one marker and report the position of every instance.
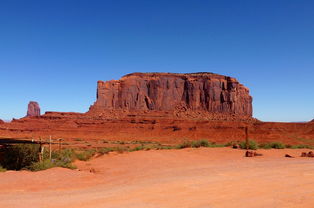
(196, 178)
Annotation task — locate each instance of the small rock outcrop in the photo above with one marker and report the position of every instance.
(1, 122)
(33, 109)
(168, 92)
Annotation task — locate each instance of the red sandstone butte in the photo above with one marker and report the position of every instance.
(33, 109)
(168, 91)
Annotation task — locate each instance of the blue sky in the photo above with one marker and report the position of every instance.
(54, 51)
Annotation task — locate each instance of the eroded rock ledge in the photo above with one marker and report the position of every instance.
(169, 92)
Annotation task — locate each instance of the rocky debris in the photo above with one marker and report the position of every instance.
(174, 92)
(287, 155)
(309, 154)
(236, 146)
(33, 109)
(252, 154)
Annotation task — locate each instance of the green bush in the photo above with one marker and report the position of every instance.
(46, 164)
(274, 145)
(20, 156)
(37, 166)
(137, 148)
(197, 144)
(161, 147)
(62, 158)
(104, 150)
(2, 169)
(252, 145)
(278, 145)
(84, 155)
(183, 145)
(301, 146)
(265, 146)
(200, 143)
(216, 145)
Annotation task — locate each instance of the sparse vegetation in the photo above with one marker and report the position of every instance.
(277, 145)
(137, 148)
(300, 146)
(198, 143)
(26, 156)
(185, 144)
(84, 155)
(2, 169)
(252, 145)
(20, 156)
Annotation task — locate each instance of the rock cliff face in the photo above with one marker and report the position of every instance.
(169, 92)
(33, 109)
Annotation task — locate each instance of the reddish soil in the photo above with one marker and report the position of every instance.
(205, 177)
(156, 127)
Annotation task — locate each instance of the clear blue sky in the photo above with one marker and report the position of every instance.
(54, 51)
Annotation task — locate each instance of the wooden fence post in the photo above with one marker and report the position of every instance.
(40, 153)
(60, 144)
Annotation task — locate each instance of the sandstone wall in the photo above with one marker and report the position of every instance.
(168, 92)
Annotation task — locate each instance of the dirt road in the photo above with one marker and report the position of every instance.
(196, 178)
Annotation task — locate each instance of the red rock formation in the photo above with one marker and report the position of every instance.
(169, 92)
(1, 122)
(33, 109)
(138, 107)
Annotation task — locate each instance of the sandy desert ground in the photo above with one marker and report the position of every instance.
(202, 178)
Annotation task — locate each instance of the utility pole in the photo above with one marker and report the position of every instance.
(50, 147)
(246, 138)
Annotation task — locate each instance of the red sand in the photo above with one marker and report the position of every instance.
(203, 178)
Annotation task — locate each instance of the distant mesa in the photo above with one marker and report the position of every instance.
(33, 109)
(204, 91)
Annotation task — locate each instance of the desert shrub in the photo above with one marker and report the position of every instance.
(200, 143)
(265, 146)
(252, 145)
(277, 145)
(64, 155)
(104, 150)
(37, 166)
(20, 156)
(2, 169)
(46, 164)
(164, 147)
(216, 145)
(84, 155)
(274, 145)
(137, 148)
(233, 144)
(230, 144)
(301, 146)
(185, 144)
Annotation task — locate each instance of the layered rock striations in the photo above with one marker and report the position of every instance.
(205, 92)
(33, 109)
